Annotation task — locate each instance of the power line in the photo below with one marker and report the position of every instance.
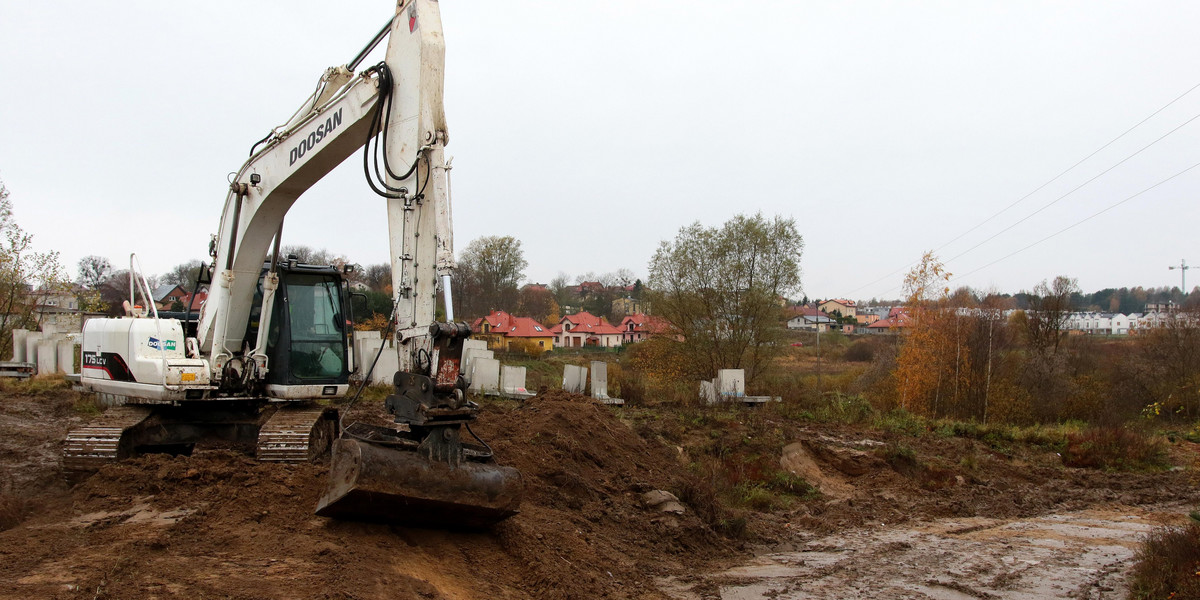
(1076, 188)
(1063, 230)
(1072, 167)
(1048, 182)
(1078, 223)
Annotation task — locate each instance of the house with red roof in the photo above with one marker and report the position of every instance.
(585, 329)
(506, 332)
(897, 323)
(640, 326)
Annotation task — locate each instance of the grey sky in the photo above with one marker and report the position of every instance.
(593, 130)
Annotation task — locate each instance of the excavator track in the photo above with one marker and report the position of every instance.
(298, 434)
(98, 443)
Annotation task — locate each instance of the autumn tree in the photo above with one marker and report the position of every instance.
(23, 272)
(930, 362)
(720, 287)
(378, 277)
(537, 303)
(490, 269)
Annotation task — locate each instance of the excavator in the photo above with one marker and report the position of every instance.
(272, 345)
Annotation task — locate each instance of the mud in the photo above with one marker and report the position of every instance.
(1082, 554)
(221, 525)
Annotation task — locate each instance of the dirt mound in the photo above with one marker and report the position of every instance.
(222, 525)
(957, 477)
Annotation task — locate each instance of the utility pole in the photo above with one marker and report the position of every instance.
(1183, 269)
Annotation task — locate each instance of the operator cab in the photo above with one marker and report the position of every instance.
(309, 328)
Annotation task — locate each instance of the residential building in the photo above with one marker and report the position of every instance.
(165, 296)
(627, 306)
(585, 329)
(506, 332)
(866, 318)
(637, 327)
(819, 323)
(845, 308)
(897, 323)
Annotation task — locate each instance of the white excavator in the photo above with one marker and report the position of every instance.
(272, 343)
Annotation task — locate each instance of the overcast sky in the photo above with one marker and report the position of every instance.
(591, 131)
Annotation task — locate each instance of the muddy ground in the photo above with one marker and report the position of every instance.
(220, 525)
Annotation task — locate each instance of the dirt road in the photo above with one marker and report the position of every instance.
(1081, 554)
(221, 525)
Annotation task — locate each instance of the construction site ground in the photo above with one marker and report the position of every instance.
(217, 524)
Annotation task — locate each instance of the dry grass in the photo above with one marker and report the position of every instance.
(1116, 448)
(1168, 564)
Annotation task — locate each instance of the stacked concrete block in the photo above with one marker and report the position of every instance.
(361, 358)
(388, 363)
(473, 349)
(731, 383)
(485, 375)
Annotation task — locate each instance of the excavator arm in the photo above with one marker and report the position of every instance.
(397, 104)
(422, 472)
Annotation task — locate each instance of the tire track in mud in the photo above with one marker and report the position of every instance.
(1077, 555)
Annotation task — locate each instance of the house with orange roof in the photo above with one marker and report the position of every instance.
(640, 326)
(846, 308)
(897, 323)
(503, 331)
(585, 329)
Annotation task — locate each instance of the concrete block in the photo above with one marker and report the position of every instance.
(31, 346)
(388, 363)
(470, 354)
(68, 349)
(600, 383)
(362, 359)
(18, 342)
(485, 376)
(708, 392)
(731, 382)
(574, 378)
(47, 356)
(512, 382)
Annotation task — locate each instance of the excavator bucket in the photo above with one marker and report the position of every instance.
(372, 482)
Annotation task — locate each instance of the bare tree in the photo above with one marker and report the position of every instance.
(92, 271)
(183, 275)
